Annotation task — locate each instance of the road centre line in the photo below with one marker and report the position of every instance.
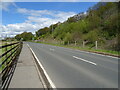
(52, 49)
(98, 54)
(85, 60)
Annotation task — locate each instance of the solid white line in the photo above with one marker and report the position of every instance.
(85, 60)
(47, 76)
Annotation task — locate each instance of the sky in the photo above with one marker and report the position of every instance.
(18, 17)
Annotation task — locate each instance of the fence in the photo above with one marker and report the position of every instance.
(8, 62)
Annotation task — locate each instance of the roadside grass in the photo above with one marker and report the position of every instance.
(116, 53)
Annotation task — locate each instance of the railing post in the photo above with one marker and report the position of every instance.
(10, 59)
(6, 51)
(11, 48)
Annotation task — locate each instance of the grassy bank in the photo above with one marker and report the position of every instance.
(100, 51)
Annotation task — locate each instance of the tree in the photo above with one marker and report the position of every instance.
(68, 38)
(71, 19)
(25, 36)
(101, 23)
(18, 37)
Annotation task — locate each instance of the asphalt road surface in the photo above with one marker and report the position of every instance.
(68, 68)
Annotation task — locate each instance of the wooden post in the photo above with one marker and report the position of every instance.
(68, 42)
(75, 43)
(96, 46)
(6, 51)
(83, 44)
(11, 48)
(63, 42)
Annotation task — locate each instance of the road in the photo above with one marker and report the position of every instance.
(68, 68)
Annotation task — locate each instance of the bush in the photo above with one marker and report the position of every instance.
(68, 38)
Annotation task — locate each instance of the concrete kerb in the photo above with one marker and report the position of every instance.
(46, 81)
(39, 74)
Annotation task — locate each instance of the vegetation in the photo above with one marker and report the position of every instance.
(100, 24)
(109, 52)
(25, 36)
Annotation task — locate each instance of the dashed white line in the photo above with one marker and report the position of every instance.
(98, 54)
(85, 60)
(52, 49)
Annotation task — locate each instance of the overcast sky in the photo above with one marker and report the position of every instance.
(18, 17)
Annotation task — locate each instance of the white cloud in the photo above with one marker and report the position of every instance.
(13, 29)
(5, 5)
(35, 20)
(33, 12)
(7, 0)
(45, 16)
(43, 12)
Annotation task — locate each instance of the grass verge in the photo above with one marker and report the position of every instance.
(99, 51)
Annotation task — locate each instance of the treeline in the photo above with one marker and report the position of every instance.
(100, 24)
(25, 36)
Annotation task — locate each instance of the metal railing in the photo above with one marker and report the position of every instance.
(10, 53)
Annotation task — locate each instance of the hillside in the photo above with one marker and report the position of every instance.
(100, 23)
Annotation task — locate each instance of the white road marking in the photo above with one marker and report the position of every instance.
(99, 54)
(52, 49)
(85, 60)
(47, 76)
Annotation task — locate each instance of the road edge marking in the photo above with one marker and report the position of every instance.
(39, 74)
(47, 76)
(85, 60)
